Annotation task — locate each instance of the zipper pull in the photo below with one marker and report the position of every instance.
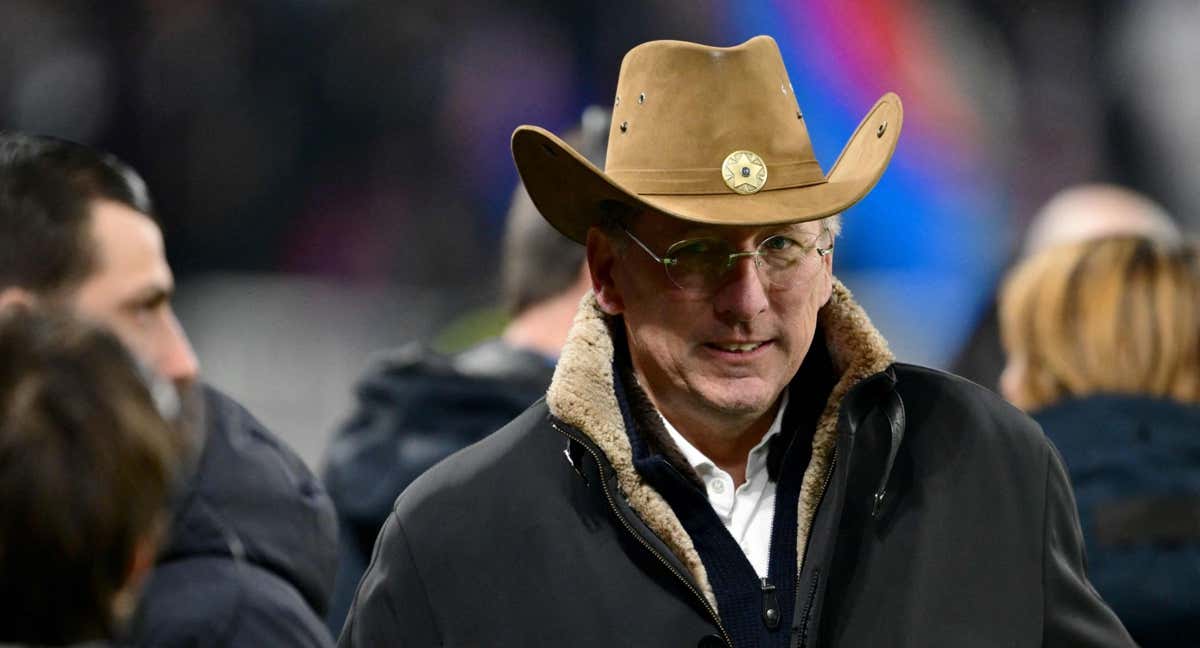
(770, 605)
(574, 453)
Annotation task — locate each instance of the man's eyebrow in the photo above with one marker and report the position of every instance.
(150, 296)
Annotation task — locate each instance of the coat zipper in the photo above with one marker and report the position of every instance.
(803, 634)
(824, 487)
(625, 523)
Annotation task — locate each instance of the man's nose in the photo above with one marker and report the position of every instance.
(743, 291)
(177, 360)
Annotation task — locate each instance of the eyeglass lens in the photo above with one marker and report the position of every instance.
(700, 265)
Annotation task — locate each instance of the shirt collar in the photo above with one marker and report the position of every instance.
(757, 458)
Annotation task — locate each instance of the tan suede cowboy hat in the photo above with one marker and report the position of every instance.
(706, 134)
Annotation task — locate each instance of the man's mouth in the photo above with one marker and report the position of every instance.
(741, 347)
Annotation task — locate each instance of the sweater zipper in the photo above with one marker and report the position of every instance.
(770, 605)
(642, 541)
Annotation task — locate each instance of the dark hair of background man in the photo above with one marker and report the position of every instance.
(45, 246)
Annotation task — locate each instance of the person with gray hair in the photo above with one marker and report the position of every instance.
(1091, 211)
(415, 407)
(537, 262)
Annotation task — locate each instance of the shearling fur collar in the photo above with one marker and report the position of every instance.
(582, 395)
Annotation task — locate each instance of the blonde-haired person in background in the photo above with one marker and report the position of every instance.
(1076, 213)
(1103, 344)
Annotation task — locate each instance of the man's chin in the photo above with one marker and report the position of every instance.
(738, 401)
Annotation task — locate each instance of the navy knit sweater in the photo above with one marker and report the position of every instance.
(755, 612)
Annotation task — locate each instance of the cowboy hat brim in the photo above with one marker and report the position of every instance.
(568, 189)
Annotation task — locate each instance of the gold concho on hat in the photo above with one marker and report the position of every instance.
(744, 172)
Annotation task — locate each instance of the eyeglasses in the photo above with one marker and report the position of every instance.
(699, 266)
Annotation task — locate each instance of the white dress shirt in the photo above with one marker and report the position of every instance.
(748, 510)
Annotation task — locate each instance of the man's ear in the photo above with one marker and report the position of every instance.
(16, 297)
(601, 258)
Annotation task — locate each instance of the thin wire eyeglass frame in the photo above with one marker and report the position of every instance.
(666, 261)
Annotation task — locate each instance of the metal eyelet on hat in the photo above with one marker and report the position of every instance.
(618, 101)
(642, 98)
(624, 126)
(882, 129)
(799, 115)
(783, 88)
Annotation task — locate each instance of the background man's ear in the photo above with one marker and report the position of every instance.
(601, 255)
(16, 297)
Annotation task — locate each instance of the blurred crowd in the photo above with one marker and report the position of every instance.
(368, 143)
(320, 137)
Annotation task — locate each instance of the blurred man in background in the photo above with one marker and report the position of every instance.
(1077, 213)
(251, 556)
(87, 464)
(416, 407)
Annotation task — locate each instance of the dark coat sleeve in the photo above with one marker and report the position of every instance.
(204, 602)
(1074, 614)
(415, 408)
(392, 607)
(352, 563)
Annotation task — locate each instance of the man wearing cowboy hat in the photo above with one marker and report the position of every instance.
(728, 453)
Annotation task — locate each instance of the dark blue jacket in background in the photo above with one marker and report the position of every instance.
(253, 547)
(415, 408)
(1135, 466)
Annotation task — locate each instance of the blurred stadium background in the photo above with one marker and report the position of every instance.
(333, 174)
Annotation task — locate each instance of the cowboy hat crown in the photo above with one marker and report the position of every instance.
(710, 135)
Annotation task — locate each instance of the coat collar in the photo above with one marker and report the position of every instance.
(581, 395)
